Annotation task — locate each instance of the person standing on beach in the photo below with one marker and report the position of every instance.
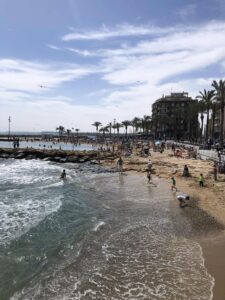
(201, 180)
(149, 176)
(120, 165)
(215, 171)
(173, 186)
(149, 165)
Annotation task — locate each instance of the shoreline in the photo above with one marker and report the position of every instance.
(210, 199)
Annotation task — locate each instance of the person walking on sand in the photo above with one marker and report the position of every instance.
(149, 176)
(149, 166)
(120, 165)
(173, 186)
(215, 171)
(201, 180)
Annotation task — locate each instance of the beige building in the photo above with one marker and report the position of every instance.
(174, 117)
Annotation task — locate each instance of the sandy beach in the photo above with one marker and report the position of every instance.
(210, 199)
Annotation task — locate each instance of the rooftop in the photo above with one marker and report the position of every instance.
(174, 97)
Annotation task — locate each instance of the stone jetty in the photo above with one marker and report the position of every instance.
(60, 156)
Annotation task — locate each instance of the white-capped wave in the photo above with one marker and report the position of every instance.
(24, 212)
(98, 226)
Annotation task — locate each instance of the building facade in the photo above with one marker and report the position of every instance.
(175, 116)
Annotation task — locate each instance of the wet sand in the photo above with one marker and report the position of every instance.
(213, 252)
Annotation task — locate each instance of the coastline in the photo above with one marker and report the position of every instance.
(210, 199)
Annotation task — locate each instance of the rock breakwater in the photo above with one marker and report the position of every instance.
(61, 156)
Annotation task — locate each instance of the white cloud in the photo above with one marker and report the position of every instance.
(54, 47)
(133, 78)
(82, 52)
(120, 31)
(26, 76)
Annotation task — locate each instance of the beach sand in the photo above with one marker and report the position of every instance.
(209, 199)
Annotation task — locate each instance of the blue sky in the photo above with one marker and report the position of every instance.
(100, 60)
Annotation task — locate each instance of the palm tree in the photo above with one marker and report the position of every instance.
(135, 123)
(146, 121)
(126, 123)
(77, 130)
(104, 130)
(214, 110)
(68, 132)
(61, 129)
(118, 126)
(114, 128)
(220, 96)
(110, 129)
(97, 124)
(207, 98)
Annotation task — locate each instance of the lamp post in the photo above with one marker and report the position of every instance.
(9, 119)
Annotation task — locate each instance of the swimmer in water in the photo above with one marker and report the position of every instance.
(63, 175)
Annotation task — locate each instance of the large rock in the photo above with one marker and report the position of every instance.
(20, 155)
(4, 155)
(72, 159)
(63, 160)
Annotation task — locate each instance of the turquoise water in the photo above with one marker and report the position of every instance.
(96, 235)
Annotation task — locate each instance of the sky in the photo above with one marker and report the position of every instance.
(74, 62)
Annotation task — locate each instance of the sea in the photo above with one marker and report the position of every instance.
(96, 235)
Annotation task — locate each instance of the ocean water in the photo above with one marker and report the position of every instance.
(95, 235)
(49, 145)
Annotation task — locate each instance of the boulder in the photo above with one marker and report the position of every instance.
(20, 155)
(72, 159)
(63, 160)
(4, 155)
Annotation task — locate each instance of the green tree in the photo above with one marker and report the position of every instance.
(77, 130)
(126, 123)
(146, 123)
(97, 124)
(135, 123)
(68, 132)
(207, 98)
(104, 130)
(215, 107)
(61, 130)
(220, 97)
(118, 126)
(110, 129)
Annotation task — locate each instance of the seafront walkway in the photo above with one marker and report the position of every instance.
(204, 154)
